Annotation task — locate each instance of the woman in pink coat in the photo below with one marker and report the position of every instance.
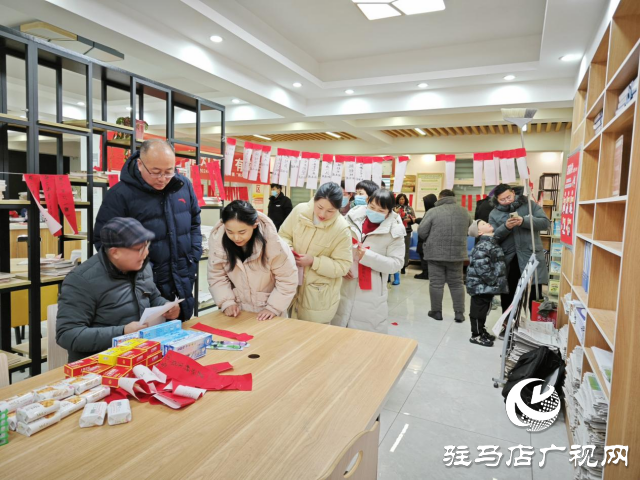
(250, 267)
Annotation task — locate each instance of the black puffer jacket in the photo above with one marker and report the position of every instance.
(487, 273)
(173, 215)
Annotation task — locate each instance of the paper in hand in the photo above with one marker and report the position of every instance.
(153, 315)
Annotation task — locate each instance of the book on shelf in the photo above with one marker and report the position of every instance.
(554, 287)
(556, 228)
(556, 249)
(627, 95)
(604, 359)
(554, 267)
(586, 266)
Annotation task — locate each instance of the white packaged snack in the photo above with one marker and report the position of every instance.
(29, 429)
(37, 410)
(93, 414)
(13, 421)
(71, 405)
(56, 391)
(14, 403)
(85, 382)
(97, 393)
(119, 412)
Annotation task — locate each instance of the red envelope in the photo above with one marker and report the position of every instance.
(220, 367)
(241, 337)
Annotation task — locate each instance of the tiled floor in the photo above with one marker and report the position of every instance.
(446, 397)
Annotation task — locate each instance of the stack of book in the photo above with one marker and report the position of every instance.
(604, 359)
(578, 316)
(6, 277)
(572, 385)
(598, 122)
(206, 233)
(56, 267)
(627, 95)
(531, 335)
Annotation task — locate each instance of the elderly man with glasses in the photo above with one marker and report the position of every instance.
(164, 202)
(105, 296)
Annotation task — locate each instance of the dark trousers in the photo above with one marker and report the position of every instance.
(513, 276)
(450, 273)
(478, 311)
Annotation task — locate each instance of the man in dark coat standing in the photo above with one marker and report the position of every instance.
(164, 202)
(280, 205)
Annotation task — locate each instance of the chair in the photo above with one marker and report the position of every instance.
(365, 448)
(413, 247)
(56, 355)
(4, 371)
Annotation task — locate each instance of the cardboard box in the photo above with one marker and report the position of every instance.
(111, 377)
(161, 329)
(132, 342)
(98, 368)
(110, 356)
(131, 358)
(78, 368)
(191, 344)
(123, 338)
(153, 359)
(150, 347)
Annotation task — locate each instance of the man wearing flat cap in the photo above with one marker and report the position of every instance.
(105, 296)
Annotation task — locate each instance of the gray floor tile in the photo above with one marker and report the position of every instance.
(476, 365)
(387, 418)
(403, 388)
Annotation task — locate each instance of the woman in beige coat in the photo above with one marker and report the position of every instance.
(321, 243)
(250, 267)
(379, 234)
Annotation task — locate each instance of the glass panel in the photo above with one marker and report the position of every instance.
(118, 106)
(97, 99)
(184, 125)
(74, 98)
(16, 87)
(17, 146)
(210, 130)
(46, 94)
(154, 113)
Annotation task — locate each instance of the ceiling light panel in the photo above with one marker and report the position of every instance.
(420, 131)
(262, 137)
(374, 11)
(414, 7)
(335, 135)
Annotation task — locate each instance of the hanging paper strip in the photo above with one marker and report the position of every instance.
(463, 200)
(65, 200)
(349, 173)
(114, 178)
(302, 171)
(246, 159)
(366, 168)
(215, 178)
(521, 160)
(376, 170)
(197, 184)
(256, 158)
(229, 151)
(450, 168)
(314, 170)
(399, 171)
(478, 163)
(243, 193)
(478, 198)
(327, 169)
(490, 175)
(496, 164)
(33, 183)
(359, 169)
(336, 171)
(285, 163)
(51, 197)
(470, 202)
(507, 165)
(275, 175)
(294, 167)
(265, 163)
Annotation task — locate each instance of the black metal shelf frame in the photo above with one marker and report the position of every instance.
(37, 52)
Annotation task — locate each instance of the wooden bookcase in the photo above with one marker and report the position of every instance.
(611, 225)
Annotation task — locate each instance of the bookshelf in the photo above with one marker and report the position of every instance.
(607, 221)
(53, 83)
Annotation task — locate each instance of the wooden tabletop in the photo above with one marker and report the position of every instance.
(315, 387)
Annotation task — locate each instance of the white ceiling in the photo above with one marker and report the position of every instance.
(462, 52)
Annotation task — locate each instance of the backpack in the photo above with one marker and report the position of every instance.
(542, 363)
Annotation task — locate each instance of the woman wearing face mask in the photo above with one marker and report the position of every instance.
(347, 200)
(279, 205)
(321, 243)
(379, 234)
(408, 217)
(364, 190)
(250, 267)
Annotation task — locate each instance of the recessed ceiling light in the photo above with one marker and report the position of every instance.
(262, 137)
(297, 84)
(128, 109)
(375, 11)
(81, 104)
(510, 77)
(420, 131)
(414, 7)
(215, 38)
(570, 58)
(335, 135)
(235, 100)
(349, 91)
(423, 85)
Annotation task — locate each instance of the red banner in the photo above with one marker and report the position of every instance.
(197, 184)
(114, 178)
(51, 197)
(215, 178)
(569, 199)
(470, 202)
(65, 199)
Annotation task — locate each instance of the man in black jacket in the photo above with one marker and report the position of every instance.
(280, 205)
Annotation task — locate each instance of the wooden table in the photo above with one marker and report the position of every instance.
(315, 387)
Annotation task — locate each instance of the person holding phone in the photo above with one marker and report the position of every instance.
(321, 242)
(250, 267)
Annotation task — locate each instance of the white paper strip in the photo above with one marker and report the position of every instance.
(275, 175)
(294, 169)
(366, 171)
(350, 176)
(523, 171)
(400, 170)
(336, 172)
(283, 178)
(189, 392)
(376, 173)
(359, 172)
(302, 173)
(496, 164)
(265, 163)
(450, 169)
(477, 173)
(490, 173)
(256, 158)
(327, 169)
(246, 159)
(508, 169)
(312, 175)
(229, 151)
